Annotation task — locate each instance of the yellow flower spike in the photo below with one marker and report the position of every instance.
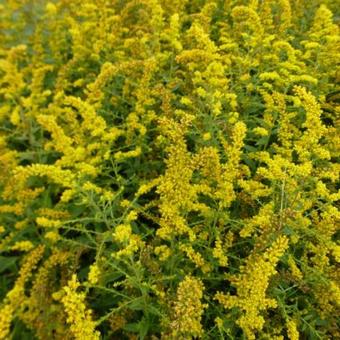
(45, 222)
(51, 8)
(6, 317)
(22, 246)
(79, 317)
(206, 136)
(132, 216)
(16, 296)
(188, 309)
(219, 252)
(122, 232)
(125, 203)
(294, 268)
(292, 331)
(186, 101)
(94, 274)
(39, 303)
(164, 252)
(52, 236)
(286, 15)
(195, 257)
(251, 287)
(120, 156)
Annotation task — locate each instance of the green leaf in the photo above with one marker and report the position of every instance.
(142, 327)
(137, 304)
(7, 262)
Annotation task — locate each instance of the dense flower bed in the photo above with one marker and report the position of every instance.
(169, 169)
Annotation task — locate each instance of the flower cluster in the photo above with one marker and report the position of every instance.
(78, 316)
(188, 309)
(179, 159)
(251, 287)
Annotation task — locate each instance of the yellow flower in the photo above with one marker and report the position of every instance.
(6, 317)
(265, 76)
(219, 254)
(186, 101)
(164, 252)
(16, 296)
(45, 222)
(206, 136)
(53, 236)
(119, 156)
(22, 246)
(260, 131)
(292, 331)
(94, 274)
(132, 216)
(195, 257)
(51, 8)
(251, 287)
(122, 232)
(188, 309)
(79, 317)
(294, 269)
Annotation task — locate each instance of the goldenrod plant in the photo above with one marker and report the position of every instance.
(169, 169)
